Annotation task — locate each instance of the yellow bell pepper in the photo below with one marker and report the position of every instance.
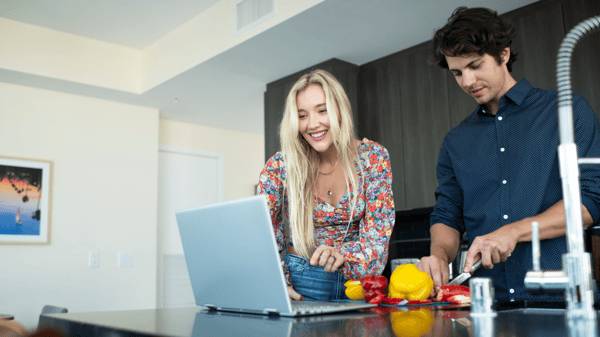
(412, 323)
(354, 290)
(410, 283)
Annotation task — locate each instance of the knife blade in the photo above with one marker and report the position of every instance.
(465, 276)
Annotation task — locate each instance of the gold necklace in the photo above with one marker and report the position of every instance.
(328, 173)
(332, 179)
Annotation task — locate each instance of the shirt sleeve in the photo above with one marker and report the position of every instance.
(270, 184)
(368, 254)
(448, 196)
(587, 137)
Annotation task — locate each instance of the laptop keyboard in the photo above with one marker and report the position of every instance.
(312, 307)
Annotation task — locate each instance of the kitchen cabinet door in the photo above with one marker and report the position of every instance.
(585, 67)
(404, 106)
(539, 34)
(380, 117)
(425, 121)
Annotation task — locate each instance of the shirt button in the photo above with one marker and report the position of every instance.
(509, 255)
(499, 118)
(512, 291)
(501, 149)
(512, 299)
(504, 182)
(505, 216)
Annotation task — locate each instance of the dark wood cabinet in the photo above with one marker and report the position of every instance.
(539, 34)
(408, 104)
(404, 106)
(379, 117)
(585, 66)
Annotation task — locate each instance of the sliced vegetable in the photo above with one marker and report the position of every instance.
(354, 290)
(373, 286)
(454, 294)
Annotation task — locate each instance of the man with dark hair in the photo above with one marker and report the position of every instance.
(498, 170)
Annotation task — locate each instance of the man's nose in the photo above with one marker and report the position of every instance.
(468, 79)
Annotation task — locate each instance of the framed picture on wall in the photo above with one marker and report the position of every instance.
(25, 189)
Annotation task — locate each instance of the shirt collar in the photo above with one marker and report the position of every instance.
(516, 94)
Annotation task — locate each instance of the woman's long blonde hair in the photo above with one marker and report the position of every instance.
(302, 161)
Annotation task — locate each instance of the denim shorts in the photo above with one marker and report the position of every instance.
(313, 282)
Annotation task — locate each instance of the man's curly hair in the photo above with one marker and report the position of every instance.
(473, 30)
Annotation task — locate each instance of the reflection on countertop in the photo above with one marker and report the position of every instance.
(513, 320)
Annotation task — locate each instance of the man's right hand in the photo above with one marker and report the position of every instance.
(445, 242)
(294, 295)
(438, 270)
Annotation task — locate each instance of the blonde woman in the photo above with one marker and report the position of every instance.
(335, 191)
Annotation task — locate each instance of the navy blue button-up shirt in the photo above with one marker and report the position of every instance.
(497, 169)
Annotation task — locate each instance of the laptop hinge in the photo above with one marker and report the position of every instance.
(211, 306)
(271, 312)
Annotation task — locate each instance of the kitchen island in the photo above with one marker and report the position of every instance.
(454, 320)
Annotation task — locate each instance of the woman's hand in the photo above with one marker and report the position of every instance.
(294, 295)
(327, 257)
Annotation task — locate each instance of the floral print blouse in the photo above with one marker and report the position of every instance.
(365, 247)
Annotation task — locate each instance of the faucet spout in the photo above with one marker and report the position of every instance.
(576, 276)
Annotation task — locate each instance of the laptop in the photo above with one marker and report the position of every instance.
(234, 265)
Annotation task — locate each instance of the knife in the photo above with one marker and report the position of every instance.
(464, 276)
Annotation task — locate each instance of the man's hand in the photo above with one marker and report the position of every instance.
(492, 248)
(328, 258)
(445, 242)
(438, 270)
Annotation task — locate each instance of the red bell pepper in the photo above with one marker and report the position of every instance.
(392, 301)
(377, 299)
(454, 294)
(374, 288)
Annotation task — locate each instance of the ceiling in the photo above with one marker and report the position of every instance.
(226, 91)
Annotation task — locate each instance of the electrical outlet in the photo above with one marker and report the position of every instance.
(93, 260)
(125, 260)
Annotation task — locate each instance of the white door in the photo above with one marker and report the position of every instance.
(186, 178)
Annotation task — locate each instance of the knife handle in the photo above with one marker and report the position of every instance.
(475, 266)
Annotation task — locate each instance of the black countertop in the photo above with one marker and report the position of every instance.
(379, 321)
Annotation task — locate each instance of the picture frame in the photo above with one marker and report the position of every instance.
(25, 199)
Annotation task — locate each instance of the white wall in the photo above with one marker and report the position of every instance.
(243, 160)
(244, 152)
(105, 162)
(104, 158)
(41, 51)
(104, 197)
